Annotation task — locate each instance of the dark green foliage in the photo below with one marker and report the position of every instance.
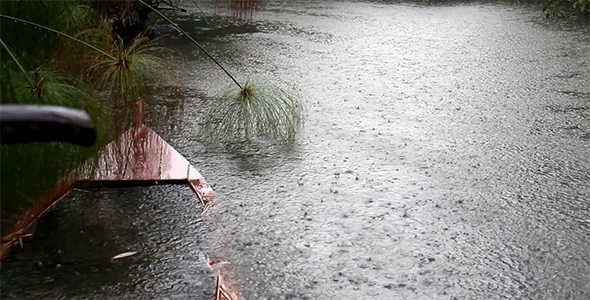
(27, 170)
(36, 46)
(69, 36)
(564, 8)
(29, 74)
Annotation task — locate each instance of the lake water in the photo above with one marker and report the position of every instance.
(445, 155)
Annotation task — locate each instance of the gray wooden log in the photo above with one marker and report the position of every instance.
(45, 123)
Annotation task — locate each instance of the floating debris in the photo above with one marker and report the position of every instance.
(124, 254)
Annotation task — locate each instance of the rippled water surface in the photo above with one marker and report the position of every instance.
(445, 155)
(70, 256)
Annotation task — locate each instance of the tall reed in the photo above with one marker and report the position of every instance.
(242, 9)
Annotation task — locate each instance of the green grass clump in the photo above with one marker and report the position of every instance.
(128, 68)
(254, 111)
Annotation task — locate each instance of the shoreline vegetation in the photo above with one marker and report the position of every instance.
(99, 58)
(550, 8)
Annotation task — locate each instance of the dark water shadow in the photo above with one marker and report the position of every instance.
(70, 252)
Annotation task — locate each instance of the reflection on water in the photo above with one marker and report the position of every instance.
(446, 154)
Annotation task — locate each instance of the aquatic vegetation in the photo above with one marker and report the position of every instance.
(82, 64)
(133, 67)
(255, 111)
(124, 70)
(561, 7)
(27, 170)
(239, 8)
(36, 46)
(127, 69)
(252, 110)
(112, 76)
(122, 9)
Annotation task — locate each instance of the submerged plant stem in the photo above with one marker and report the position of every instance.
(59, 33)
(192, 40)
(202, 12)
(17, 62)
